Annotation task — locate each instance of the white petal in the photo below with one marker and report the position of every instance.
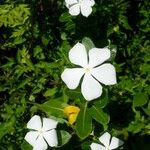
(49, 124)
(95, 146)
(105, 139)
(98, 56)
(78, 55)
(74, 10)
(86, 9)
(91, 2)
(40, 144)
(34, 123)
(51, 137)
(91, 89)
(105, 73)
(70, 2)
(31, 137)
(72, 77)
(115, 142)
(88, 2)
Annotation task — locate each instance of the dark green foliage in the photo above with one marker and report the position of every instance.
(35, 38)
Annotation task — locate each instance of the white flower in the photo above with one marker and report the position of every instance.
(77, 6)
(105, 73)
(107, 144)
(41, 134)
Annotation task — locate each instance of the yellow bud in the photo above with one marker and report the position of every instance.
(72, 113)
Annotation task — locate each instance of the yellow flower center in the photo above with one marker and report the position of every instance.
(72, 113)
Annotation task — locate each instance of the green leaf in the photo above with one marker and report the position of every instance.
(53, 107)
(26, 146)
(124, 22)
(85, 145)
(87, 42)
(38, 52)
(140, 99)
(73, 94)
(99, 115)
(63, 137)
(102, 101)
(50, 92)
(147, 110)
(7, 127)
(65, 17)
(84, 122)
(45, 40)
(135, 127)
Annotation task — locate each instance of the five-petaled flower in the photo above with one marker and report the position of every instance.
(91, 69)
(77, 6)
(107, 143)
(41, 134)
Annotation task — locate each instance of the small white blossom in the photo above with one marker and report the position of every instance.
(42, 134)
(89, 67)
(77, 6)
(107, 143)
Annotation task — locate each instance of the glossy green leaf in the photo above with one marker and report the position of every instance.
(102, 101)
(99, 115)
(140, 99)
(63, 137)
(50, 92)
(54, 107)
(84, 123)
(73, 94)
(26, 146)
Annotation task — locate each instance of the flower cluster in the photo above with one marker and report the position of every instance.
(93, 73)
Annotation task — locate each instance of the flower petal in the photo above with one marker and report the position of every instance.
(105, 73)
(40, 144)
(91, 2)
(74, 10)
(78, 55)
(70, 2)
(95, 146)
(86, 9)
(51, 137)
(34, 123)
(49, 124)
(31, 137)
(115, 143)
(72, 77)
(98, 55)
(91, 89)
(105, 139)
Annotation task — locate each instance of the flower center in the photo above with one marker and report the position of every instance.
(87, 69)
(40, 131)
(108, 148)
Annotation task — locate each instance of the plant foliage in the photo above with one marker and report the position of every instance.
(35, 38)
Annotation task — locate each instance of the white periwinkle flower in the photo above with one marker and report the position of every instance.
(107, 143)
(42, 134)
(77, 6)
(89, 66)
